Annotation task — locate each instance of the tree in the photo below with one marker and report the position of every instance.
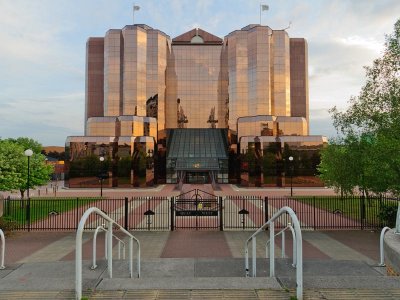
(14, 165)
(334, 169)
(370, 128)
(377, 108)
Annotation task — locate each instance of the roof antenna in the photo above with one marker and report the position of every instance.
(290, 23)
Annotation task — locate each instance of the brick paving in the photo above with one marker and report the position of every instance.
(196, 244)
(20, 245)
(190, 243)
(325, 245)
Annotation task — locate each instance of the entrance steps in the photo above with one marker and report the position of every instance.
(199, 278)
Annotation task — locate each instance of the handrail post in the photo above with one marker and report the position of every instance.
(109, 246)
(3, 248)
(119, 249)
(138, 259)
(105, 245)
(246, 259)
(94, 266)
(272, 249)
(108, 240)
(78, 262)
(299, 254)
(382, 255)
(254, 256)
(283, 244)
(294, 246)
(298, 249)
(131, 257)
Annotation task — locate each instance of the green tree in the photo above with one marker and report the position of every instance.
(337, 167)
(14, 165)
(370, 128)
(377, 108)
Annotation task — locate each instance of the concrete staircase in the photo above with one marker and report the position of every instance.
(202, 278)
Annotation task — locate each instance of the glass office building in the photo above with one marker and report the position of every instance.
(194, 108)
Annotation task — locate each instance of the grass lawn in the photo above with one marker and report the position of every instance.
(40, 208)
(351, 206)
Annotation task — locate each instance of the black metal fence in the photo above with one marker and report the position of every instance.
(219, 213)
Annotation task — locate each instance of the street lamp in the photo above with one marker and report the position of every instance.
(28, 153)
(101, 175)
(291, 175)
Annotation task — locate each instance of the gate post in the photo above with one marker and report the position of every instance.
(221, 219)
(172, 208)
(266, 212)
(28, 214)
(315, 215)
(362, 211)
(126, 213)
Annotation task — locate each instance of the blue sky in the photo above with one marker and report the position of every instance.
(42, 50)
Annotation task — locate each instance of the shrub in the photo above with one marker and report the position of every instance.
(7, 224)
(387, 215)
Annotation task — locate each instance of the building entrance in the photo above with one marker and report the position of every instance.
(197, 177)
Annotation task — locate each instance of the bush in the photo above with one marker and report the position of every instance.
(387, 215)
(7, 224)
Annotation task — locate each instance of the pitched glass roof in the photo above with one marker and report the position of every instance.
(198, 149)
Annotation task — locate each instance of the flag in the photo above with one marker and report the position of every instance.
(264, 7)
(136, 7)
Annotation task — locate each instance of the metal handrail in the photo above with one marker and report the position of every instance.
(3, 249)
(78, 250)
(382, 255)
(299, 247)
(101, 227)
(282, 232)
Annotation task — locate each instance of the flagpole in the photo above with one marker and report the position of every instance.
(135, 7)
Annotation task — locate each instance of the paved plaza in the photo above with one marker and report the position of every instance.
(202, 264)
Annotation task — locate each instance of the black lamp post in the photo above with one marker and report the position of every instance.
(291, 175)
(101, 175)
(28, 153)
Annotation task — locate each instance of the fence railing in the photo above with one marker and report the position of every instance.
(228, 213)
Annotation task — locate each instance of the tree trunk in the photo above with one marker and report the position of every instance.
(22, 198)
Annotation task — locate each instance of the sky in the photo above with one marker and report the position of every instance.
(43, 46)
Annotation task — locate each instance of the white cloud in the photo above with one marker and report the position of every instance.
(367, 43)
(43, 50)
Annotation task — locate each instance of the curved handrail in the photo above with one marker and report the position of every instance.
(299, 247)
(3, 249)
(101, 227)
(282, 232)
(78, 250)
(382, 255)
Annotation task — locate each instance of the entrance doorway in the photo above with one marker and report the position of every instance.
(197, 177)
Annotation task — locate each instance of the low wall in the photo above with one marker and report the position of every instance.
(391, 247)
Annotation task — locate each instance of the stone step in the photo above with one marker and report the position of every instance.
(337, 294)
(199, 283)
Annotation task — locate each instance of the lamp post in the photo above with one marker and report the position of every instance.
(101, 175)
(291, 175)
(28, 153)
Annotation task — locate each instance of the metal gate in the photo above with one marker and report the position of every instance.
(196, 209)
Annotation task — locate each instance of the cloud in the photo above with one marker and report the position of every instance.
(42, 52)
(49, 120)
(358, 41)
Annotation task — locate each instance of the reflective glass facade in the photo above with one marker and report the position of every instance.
(141, 85)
